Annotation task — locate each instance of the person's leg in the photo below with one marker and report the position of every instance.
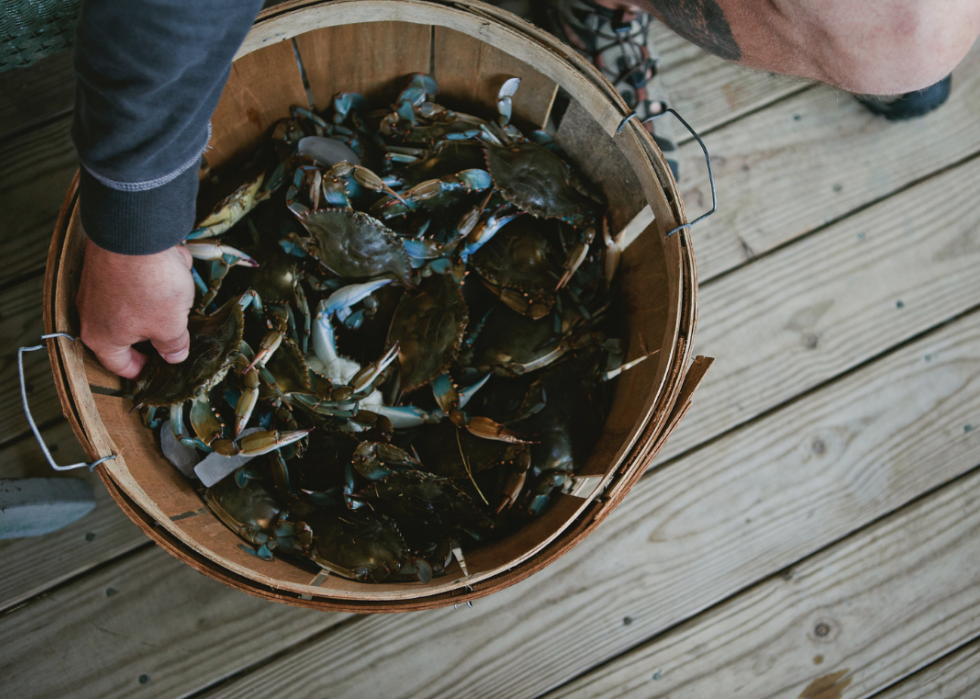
(884, 47)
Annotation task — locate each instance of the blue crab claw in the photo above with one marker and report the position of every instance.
(466, 394)
(216, 251)
(343, 102)
(229, 210)
(488, 429)
(427, 83)
(259, 443)
(505, 100)
(576, 256)
(543, 138)
(262, 552)
(345, 297)
(406, 416)
(369, 374)
(298, 112)
(487, 227)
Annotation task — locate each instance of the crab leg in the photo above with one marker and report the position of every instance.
(372, 459)
(229, 211)
(267, 347)
(487, 228)
(259, 443)
(576, 256)
(246, 404)
(205, 423)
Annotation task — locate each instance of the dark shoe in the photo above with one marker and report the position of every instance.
(621, 49)
(911, 104)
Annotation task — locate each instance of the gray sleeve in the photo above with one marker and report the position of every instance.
(149, 75)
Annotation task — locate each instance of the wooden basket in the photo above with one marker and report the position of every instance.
(370, 46)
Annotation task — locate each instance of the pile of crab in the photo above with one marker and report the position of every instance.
(399, 346)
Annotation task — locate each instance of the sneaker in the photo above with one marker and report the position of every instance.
(618, 44)
(911, 104)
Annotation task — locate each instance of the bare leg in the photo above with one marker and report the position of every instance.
(880, 47)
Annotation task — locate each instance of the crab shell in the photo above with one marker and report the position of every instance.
(358, 545)
(537, 181)
(428, 327)
(251, 512)
(514, 265)
(214, 341)
(356, 246)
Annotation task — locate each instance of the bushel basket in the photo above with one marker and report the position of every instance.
(371, 46)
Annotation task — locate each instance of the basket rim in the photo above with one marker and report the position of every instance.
(657, 425)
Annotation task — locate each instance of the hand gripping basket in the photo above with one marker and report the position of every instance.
(370, 46)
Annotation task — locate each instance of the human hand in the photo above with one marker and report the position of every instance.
(125, 299)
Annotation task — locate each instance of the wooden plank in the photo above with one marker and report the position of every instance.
(35, 171)
(21, 325)
(709, 91)
(471, 73)
(36, 94)
(956, 676)
(811, 160)
(146, 625)
(847, 622)
(689, 535)
(31, 566)
(811, 311)
(377, 47)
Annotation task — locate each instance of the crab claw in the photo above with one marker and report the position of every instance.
(260, 443)
(215, 251)
(342, 299)
(505, 99)
(576, 257)
(488, 429)
(366, 376)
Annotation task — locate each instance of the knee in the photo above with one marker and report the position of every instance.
(894, 46)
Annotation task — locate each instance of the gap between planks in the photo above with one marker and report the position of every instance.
(874, 608)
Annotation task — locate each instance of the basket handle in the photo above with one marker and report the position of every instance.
(30, 418)
(707, 158)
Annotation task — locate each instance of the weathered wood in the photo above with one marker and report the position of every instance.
(95, 638)
(955, 676)
(35, 170)
(370, 51)
(31, 566)
(811, 160)
(21, 325)
(261, 89)
(809, 312)
(882, 604)
(36, 94)
(473, 71)
(690, 534)
(709, 91)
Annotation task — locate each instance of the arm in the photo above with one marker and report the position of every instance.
(149, 73)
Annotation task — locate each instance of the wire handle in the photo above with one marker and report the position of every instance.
(30, 418)
(707, 158)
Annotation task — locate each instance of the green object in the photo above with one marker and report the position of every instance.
(33, 29)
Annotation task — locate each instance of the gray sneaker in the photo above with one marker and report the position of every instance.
(619, 45)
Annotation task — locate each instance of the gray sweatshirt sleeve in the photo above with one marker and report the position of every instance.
(149, 75)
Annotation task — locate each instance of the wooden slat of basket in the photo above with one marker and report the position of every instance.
(689, 535)
(472, 71)
(531, 45)
(377, 47)
(260, 89)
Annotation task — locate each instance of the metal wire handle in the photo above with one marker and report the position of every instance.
(707, 158)
(30, 418)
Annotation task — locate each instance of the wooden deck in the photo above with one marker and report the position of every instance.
(811, 529)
